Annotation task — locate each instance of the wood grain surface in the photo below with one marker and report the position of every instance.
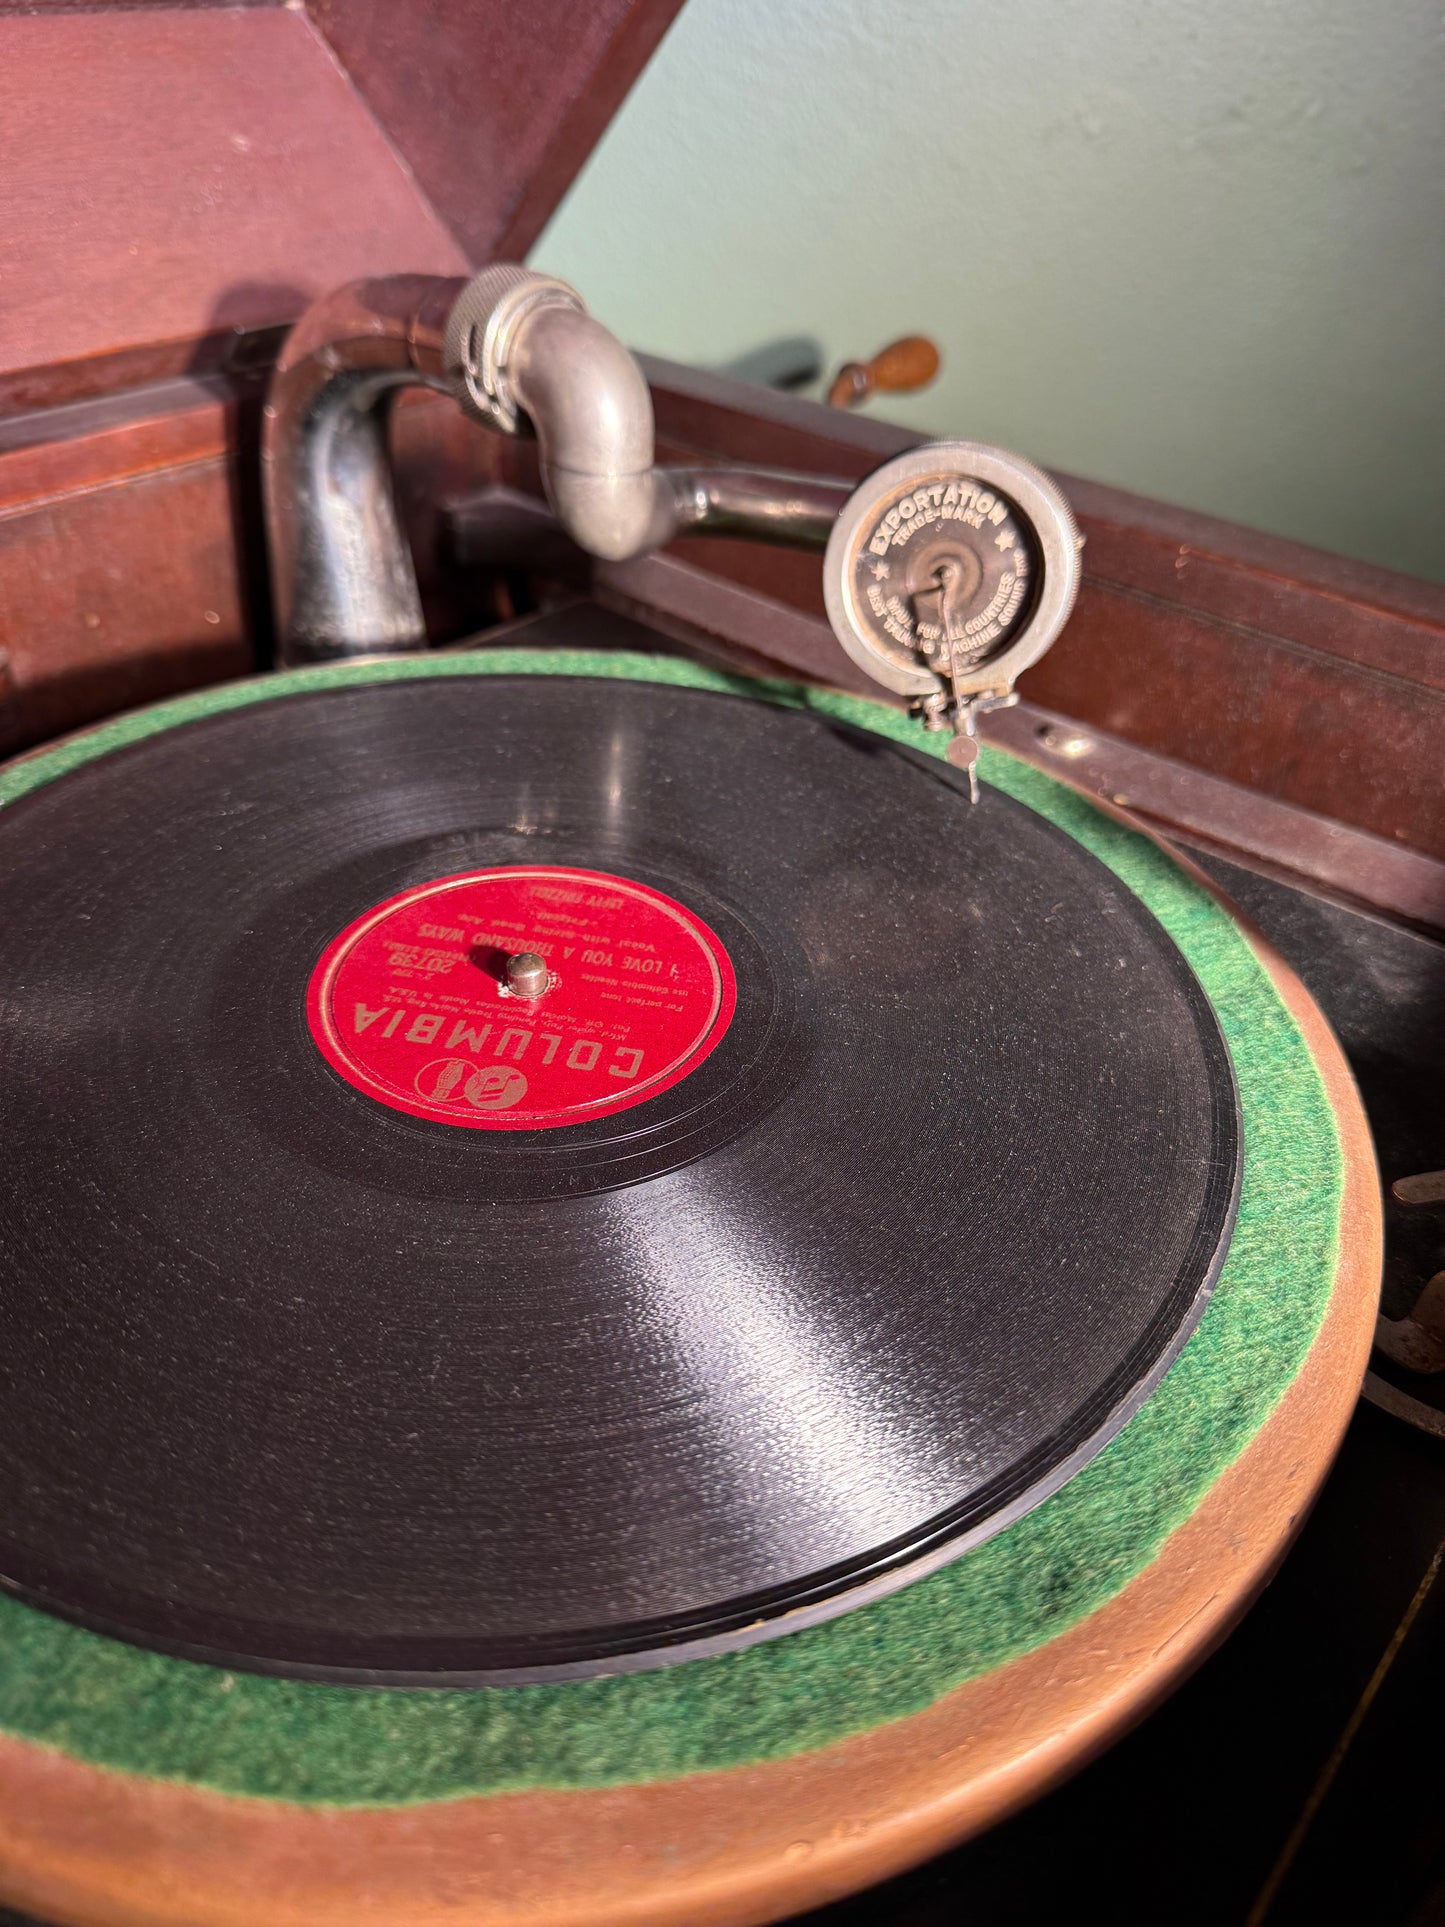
(132, 546)
(91, 1848)
(494, 106)
(170, 177)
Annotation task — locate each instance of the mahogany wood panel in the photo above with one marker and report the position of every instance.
(97, 6)
(1298, 847)
(493, 105)
(122, 573)
(86, 632)
(1294, 722)
(132, 552)
(172, 177)
(109, 439)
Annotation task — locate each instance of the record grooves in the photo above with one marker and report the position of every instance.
(302, 1381)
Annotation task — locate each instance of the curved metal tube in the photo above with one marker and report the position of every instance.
(343, 578)
(763, 505)
(591, 409)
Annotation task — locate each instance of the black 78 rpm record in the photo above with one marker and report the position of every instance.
(858, 1170)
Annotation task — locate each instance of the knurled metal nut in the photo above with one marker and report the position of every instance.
(475, 338)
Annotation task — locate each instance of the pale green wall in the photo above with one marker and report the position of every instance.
(1197, 251)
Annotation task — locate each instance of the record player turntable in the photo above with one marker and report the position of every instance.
(658, 1257)
(691, 1301)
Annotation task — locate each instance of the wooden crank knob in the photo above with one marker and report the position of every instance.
(906, 364)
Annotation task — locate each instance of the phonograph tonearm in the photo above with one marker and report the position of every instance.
(948, 571)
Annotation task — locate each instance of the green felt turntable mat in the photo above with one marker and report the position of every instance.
(115, 1706)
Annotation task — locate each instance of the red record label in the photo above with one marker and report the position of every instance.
(411, 1003)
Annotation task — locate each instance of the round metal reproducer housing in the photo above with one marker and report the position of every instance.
(952, 568)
